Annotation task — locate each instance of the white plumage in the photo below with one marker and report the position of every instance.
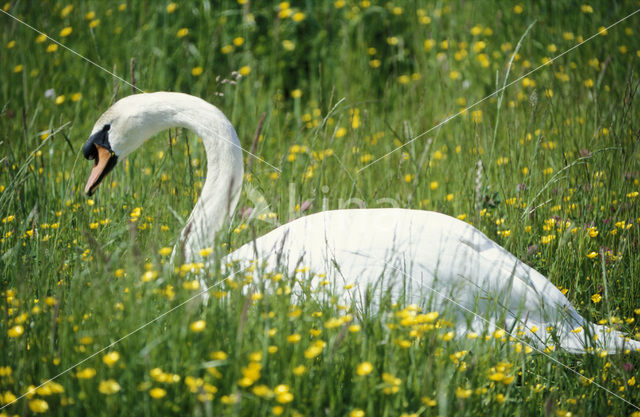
(421, 257)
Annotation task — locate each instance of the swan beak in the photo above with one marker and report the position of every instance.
(104, 162)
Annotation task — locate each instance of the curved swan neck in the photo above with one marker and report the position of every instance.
(147, 114)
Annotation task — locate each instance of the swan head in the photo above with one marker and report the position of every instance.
(124, 127)
(98, 149)
(115, 135)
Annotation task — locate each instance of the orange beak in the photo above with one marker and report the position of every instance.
(104, 163)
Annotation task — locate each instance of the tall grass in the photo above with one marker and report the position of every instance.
(552, 176)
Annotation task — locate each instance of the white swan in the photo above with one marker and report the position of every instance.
(424, 257)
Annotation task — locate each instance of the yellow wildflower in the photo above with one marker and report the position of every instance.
(111, 358)
(38, 406)
(198, 326)
(86, 373)
(157, 393)
(108, 387)
(364, 369)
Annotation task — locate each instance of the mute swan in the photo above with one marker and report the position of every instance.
(417, 255)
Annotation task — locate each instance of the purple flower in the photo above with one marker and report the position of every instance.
(306, 205)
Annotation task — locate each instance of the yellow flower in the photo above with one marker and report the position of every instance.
(297, 93)
(463, 393)
(364, 369)
(429, 44)
(478, 46)
(301, 369)
(8, 397)
(288, 45)
(108, 387)
(497, 376)
(588, 83)
(298, 17)
(66, 10)
(205, 252)
(219, 355)
(239, 41)
(592, 255)
(518, 8)
(284, 398)
(15, 331)
(76, 97)
(454, 75)
(294, 338)
(314, 350)
(476, 116)
(38, 406)
(429, 402)
(94, 23)
(165, 251)
(356, 413)
(41, 38)
(60, 99)
(198, 326)
(90, 15)
(196, 71)
(149, 276)
(17, 68)
(157, 393)
(86, 373)
(66, 32)
(404, 79)
(226, 49)
(52, 47)
(229, 399)
(262, 391)
(374, 63)
(171, 7)
(245, 70)
(596, 298)
(182, 33)
(111, 358)
(586, 8)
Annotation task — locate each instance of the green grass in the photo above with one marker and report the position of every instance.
(539, 172)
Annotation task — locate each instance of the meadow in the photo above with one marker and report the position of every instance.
(321, 92)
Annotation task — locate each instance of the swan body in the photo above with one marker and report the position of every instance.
(424, 258)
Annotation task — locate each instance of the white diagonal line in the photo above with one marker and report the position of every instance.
(33, 390)
(448, 119)
(127, 82)
(591, 380)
